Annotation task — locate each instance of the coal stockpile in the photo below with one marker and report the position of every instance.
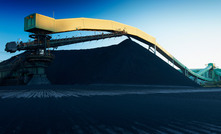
(125, 63)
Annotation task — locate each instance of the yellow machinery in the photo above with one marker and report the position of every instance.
(42, 25)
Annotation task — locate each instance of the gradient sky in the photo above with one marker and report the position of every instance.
(189, 29)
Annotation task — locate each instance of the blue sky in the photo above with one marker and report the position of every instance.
(189, 29)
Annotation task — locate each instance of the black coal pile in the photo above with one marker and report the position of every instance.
(125, 63)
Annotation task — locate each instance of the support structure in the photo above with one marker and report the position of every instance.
(38, 60)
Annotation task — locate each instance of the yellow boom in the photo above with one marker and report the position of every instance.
(51, 25)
